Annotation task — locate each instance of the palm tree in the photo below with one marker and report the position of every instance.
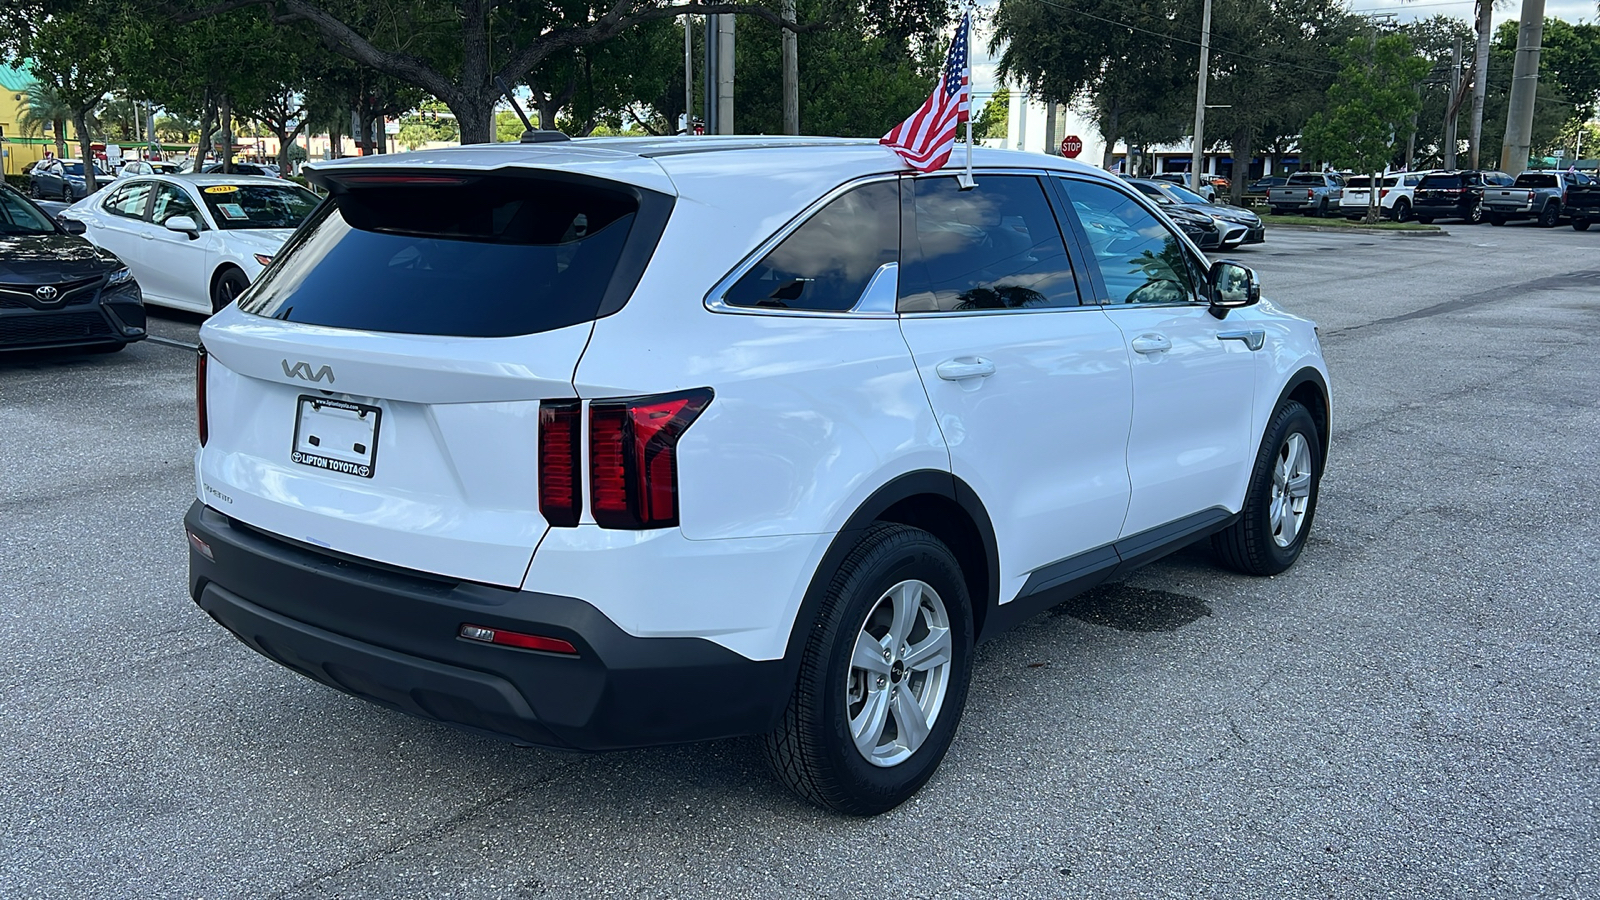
(45, 110)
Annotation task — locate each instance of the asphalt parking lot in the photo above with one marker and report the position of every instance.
(1409, 712)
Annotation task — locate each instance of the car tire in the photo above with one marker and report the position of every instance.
(1580, 224)
(227, 287)
(1475, 214)
(1550, 215)
(1425, 220)
(1402, 211)
(832, 746)
(1495, 220)
(1281, 499)
(66, 195)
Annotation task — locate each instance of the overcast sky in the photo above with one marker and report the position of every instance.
(983, 78)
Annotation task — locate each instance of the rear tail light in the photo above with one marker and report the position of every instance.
(633, 457)
(1310, 192)
(1384, 192)
(560, 491)
(1531, 195)
(200, 395)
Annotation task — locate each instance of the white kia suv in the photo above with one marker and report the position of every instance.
(611, 443)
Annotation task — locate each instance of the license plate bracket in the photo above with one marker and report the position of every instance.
(336, 435)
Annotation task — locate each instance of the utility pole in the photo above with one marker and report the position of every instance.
(791, 73)
(725, 74)
(1480, 79)
(710, 91)
(1524, 87)
(1051, 139)
(1452, 102)
(1198, 156)
(688, 75)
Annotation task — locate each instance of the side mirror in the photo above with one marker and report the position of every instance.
(1232, 286)
(184, 224)
(72, 226)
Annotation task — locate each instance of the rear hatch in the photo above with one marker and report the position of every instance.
(1440, 190)
(377, 392)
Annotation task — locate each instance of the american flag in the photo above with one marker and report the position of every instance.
(924, 141)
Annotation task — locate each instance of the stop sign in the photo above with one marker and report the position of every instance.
(1071, 146)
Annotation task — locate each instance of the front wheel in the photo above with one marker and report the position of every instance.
(227, 288)
(1580, 224)
(883, 678)
(1550, 215)
(1281, 499)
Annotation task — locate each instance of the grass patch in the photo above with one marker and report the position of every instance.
(1342, 222)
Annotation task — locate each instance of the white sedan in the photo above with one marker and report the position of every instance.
(194, 242)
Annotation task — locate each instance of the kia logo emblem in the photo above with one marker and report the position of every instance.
(303, 372)
(46, 294)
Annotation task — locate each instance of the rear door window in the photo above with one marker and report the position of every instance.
(129, 200)
(826, 264)
(996, 246)
(468, 255)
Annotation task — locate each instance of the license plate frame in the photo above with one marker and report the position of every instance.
(320, 439)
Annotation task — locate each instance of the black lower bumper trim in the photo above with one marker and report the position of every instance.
(391, 638)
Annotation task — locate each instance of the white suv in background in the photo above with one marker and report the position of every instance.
(1396, 193)
(613, 443)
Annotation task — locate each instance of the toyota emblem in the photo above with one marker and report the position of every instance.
(46, 294)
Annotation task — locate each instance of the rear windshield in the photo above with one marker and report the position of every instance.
(1537, 180)
(1306, 178)
(1441, 181)
(1360, 181)
(472, 256)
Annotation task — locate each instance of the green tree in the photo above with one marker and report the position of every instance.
(1369, 107)
(992, 120)
(459, 51)
(43, 111)
(72, 51)
(857, 79)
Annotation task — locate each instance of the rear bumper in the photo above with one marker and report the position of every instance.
(391, 637)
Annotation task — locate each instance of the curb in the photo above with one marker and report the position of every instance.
(1357, 229)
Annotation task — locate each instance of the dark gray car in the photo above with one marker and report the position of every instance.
(1235, 224)
(59, 290)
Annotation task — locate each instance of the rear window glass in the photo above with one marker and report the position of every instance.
(1360, 181)
(826, 264)
(1306, 178)
(1536, 180)
(1441, 181)
(484, 257)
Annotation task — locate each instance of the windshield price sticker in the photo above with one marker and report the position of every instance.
(232, 211)
(222, 189)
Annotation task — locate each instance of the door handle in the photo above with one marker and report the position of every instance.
(965, 368)
(1151, 343)
(147, 237)
(1254, 338)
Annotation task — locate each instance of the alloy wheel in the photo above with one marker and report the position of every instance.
(1291, 490)
(899, 673)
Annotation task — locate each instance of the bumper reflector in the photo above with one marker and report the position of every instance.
(511, 638)
(200, 547)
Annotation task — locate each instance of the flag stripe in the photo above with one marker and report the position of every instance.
(924, 141)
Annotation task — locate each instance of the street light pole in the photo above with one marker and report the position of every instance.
(1200, 102)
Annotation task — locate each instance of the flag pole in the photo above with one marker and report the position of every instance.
(968, 183)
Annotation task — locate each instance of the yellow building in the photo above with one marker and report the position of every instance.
(18, 149)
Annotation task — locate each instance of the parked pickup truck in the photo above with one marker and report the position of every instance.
(1583, 204)
(1309, 193)
(1540, 195)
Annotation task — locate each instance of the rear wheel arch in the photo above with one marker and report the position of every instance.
(937, 502)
